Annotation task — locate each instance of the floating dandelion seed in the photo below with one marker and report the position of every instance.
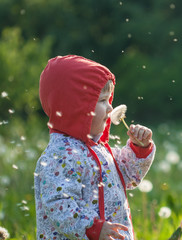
(140, 98)
(22, 138)
(24, 208)
(131, 194)
(89, 136)
(11, 111)
(4, 234)
(144, 67)
(93, 51)
(35, 174)
(59, 114)
(65, 195)
(4, 94)
(127, 19)
(75, 151)
(15, 166)
(173, 81)
(145, 186)
(175, 40)
(44, 164)
(50, 125)
(114, 137)
(164, 212)
(91, 114)
(118, 115)
(120, 3)
(129, 35)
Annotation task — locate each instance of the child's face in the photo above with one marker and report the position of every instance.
(102, 110)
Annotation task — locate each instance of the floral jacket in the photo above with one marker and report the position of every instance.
(67, 187)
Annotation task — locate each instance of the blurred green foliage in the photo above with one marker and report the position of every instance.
(139, 41)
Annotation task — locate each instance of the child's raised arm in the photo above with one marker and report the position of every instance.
(133, 160)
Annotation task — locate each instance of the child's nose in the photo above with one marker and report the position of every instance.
(110, 108)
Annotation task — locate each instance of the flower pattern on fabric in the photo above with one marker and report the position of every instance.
(66, 187)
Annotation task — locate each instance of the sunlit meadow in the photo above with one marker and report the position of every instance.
(155, 204)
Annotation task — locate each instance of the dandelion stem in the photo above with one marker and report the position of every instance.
(126, 125)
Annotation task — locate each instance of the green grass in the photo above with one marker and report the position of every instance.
(18, 159)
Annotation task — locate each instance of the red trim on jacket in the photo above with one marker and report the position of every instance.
(93, 233)
(141, 152)
(101, 187)
(122, 180)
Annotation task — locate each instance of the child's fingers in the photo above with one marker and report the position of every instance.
(115, 235)
(147, 134)
(119, 226)
(140, 132)
(111, 231)
(132, 127)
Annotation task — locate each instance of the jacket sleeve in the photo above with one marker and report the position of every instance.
(61, 188)
(134, 162)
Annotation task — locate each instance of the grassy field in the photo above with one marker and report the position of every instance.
(156, 209)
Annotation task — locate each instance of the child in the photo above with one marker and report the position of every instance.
(80, 183)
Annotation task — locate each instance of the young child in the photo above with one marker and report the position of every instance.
(80, 183)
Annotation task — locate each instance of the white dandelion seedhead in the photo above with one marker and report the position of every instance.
(4, 234)
(145, 186)
(164, 212)
(118, 114)
(172, 157)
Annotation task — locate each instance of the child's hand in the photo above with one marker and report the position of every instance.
(111, 230)
(143, 134)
